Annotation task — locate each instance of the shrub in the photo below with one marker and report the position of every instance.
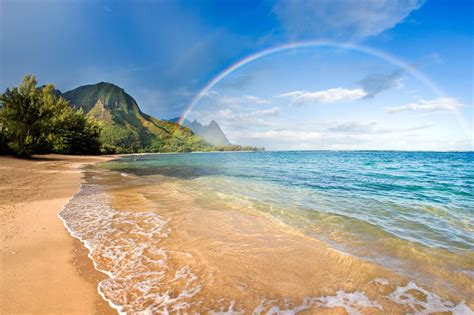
(36, 120)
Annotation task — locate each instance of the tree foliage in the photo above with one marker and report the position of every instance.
(35, 120)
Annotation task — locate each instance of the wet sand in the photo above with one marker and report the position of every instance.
(247, 262)
(204, 258)
(43, 269)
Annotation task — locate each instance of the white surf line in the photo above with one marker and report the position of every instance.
(89, 255)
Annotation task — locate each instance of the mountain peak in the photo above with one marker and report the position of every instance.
(212, 133)
(104, 84)
(110, 95)
(126, 127)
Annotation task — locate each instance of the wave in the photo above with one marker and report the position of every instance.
(126, 247)
(142, 278)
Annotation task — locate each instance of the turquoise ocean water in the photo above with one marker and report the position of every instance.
(411, 212)
(425, 198)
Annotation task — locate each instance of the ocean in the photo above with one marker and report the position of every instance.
(368, 231)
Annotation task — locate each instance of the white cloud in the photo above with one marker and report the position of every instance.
(439, 104)
(355, 128)
(228, 113)
(234, 120)
(274, 111)
(341, 19)
(237, 112)
(286, 135)
(350, 127)
(288, 139)
(255, 99)
(238, 101)
(327, 134)
(225, 113)
(326, 96)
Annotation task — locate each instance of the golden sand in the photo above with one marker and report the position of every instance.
(244, 261)
(236, 260)
(43, 270)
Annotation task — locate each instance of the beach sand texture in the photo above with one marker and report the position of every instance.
(166, 252)
(195, 256)
(43, 270)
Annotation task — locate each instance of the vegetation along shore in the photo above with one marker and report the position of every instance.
(93, 119)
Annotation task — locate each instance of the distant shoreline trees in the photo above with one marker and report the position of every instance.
(34, 120)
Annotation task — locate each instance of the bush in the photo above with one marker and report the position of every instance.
(36, 120)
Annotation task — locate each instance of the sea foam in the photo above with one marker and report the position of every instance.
(126, 247)
(430, 303)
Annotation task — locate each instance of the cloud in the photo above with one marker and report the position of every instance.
(352, 127)
(225, 113)
(286, 135)
(274, 111)
(256, 100)
(233, 120)
(376, 83)
(237, 112)
(229, 114)
(439, 104)
(341, 19)
(297, 138)
(335, 135)
(236, 101)
(326, 96)
(355, 128)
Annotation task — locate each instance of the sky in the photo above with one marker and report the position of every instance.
(368, 74)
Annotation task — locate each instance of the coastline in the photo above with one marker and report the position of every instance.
(222, 266)
(44, 269)
(243, 261)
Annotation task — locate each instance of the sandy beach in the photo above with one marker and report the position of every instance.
(179, 250)
(43, 269)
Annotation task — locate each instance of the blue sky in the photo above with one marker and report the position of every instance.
(164, 52)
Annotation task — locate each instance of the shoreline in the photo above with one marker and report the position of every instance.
(44, 269)
(227, 262)
(88, 252)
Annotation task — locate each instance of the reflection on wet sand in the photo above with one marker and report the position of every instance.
(171, 252)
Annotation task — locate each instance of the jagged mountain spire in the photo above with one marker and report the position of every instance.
(212, 133)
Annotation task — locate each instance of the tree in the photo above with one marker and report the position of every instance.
(36, 120)
(4, 149)
(23, 118)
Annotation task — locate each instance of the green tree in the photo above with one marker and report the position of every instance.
(4, 149)
(23, 118)
(36, 120)
(74, 133)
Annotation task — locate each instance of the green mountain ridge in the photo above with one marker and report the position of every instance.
(126, 129)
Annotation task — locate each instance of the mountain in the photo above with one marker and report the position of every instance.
(212, 133)
(126, 128)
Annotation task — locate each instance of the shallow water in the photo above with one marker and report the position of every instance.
(174, 231)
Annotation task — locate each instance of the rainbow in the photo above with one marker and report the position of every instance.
(311, 44)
